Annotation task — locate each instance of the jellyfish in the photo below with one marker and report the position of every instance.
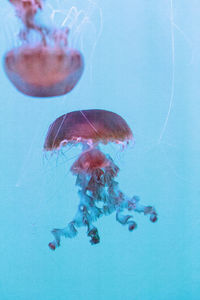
(95, 171)
(44, 66)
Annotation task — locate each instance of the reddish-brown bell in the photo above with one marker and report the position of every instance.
(43, 71)
(91, 126)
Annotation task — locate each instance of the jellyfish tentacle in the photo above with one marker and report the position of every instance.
(68, 232)
(94, 235)
(121, 218)
(133, 204)
(87, 213)
(100, 195)
(131, 225)
(126, 220)
(88, 218)
(26, 11)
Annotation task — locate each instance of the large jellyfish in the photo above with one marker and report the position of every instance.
(44, 65)
(95, 171)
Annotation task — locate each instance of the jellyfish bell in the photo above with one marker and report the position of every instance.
(46, 67)
(89, 127)
(96, 172)
(43, 71)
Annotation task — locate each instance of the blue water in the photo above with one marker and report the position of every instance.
(142, 61)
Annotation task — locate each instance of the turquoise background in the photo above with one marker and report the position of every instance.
(142, 61)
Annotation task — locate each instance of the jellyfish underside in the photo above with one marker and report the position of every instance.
(99, 195)
(45, 68)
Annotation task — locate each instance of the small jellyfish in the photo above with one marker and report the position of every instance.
(44, 66)
(95, 171)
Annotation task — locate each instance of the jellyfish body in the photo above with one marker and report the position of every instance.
(43, 71)
(91, 126)
(48, 67)
(95, 171)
